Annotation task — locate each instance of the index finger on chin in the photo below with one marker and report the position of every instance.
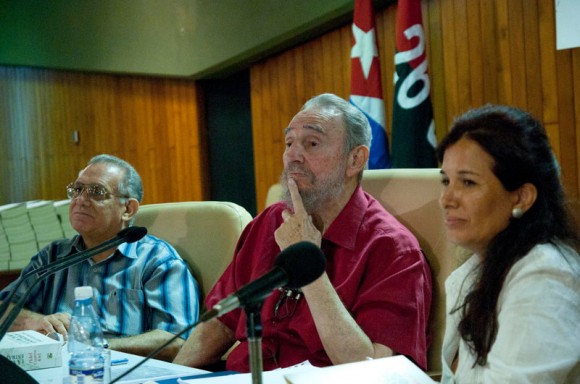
(296, 198)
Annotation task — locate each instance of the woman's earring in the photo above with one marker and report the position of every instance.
(517, 213)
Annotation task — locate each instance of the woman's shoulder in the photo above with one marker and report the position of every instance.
(548, 270)
(550, 256)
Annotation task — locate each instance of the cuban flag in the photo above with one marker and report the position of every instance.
(366, 91)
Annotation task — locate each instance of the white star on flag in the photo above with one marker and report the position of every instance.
(365, 48)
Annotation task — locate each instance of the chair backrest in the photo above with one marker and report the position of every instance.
(411, 195)
(204, 233)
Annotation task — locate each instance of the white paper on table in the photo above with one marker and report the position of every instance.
(389, 370)
(269, 377)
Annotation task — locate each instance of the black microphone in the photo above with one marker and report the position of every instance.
(127, 235)
(296, 266)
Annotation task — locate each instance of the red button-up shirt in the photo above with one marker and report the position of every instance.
(376, 267)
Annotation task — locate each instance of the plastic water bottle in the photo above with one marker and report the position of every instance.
(85, 341)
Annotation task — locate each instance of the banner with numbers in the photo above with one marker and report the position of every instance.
(413, 136)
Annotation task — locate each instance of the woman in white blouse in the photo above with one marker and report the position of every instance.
(513, 309)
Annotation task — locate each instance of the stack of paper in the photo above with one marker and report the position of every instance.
(45, 222)
(61, 207)
(20, 234)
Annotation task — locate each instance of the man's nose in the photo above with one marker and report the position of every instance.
(84, 195)
(294, 152)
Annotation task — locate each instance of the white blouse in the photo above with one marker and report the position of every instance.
(538, 338)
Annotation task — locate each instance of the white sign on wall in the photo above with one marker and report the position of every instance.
(567, 23)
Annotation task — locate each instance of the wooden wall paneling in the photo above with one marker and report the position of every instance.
(567, 127)
(342, 43)
(277, 120)
(288, 107)
(517, 58)
(287, 90)
(297, 64)
(306, 71)
(191, 171)
(463, 69)
(475, 64)
(328, 66)
(190, 141)
(432, 18)
(548, 63)
(135, 118)
(156, 142)
(340, 79)
(576, 71)
(261, 114)
(449, 45)
(533, 70)
(490, 53)
(318, 85)
(504, 74)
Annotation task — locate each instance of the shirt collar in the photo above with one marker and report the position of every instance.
(343, 230)
(129, 250)
(78, 245)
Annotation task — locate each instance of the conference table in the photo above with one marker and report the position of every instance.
(397, 369)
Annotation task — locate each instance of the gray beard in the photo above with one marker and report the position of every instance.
(323, 190)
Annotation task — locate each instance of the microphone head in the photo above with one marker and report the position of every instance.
(132, 234)
(303, 263)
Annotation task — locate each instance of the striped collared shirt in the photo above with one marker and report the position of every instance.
(142, 286)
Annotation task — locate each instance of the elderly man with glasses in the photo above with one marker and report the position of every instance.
(144, 291)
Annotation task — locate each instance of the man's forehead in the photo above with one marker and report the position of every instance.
(316, 119)
(101, 171)
(313, 127)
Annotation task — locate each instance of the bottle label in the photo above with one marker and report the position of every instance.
(86, 376)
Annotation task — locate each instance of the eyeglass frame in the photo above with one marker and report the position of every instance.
(89, 188)
(287, 294)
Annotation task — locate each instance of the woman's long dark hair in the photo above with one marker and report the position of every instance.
(522, 154)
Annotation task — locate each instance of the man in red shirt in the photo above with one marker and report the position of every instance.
(375, 296)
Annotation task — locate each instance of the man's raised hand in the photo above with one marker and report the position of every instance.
(297, 226)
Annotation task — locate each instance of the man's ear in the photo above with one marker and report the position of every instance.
(131, 208)
(357, 158)
(526, 196)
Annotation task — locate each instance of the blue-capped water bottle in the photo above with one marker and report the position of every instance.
(85, 341)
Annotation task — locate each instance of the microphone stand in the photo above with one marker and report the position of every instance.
(254, 334)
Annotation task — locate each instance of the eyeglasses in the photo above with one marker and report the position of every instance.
(95, 192)
(287, 303)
